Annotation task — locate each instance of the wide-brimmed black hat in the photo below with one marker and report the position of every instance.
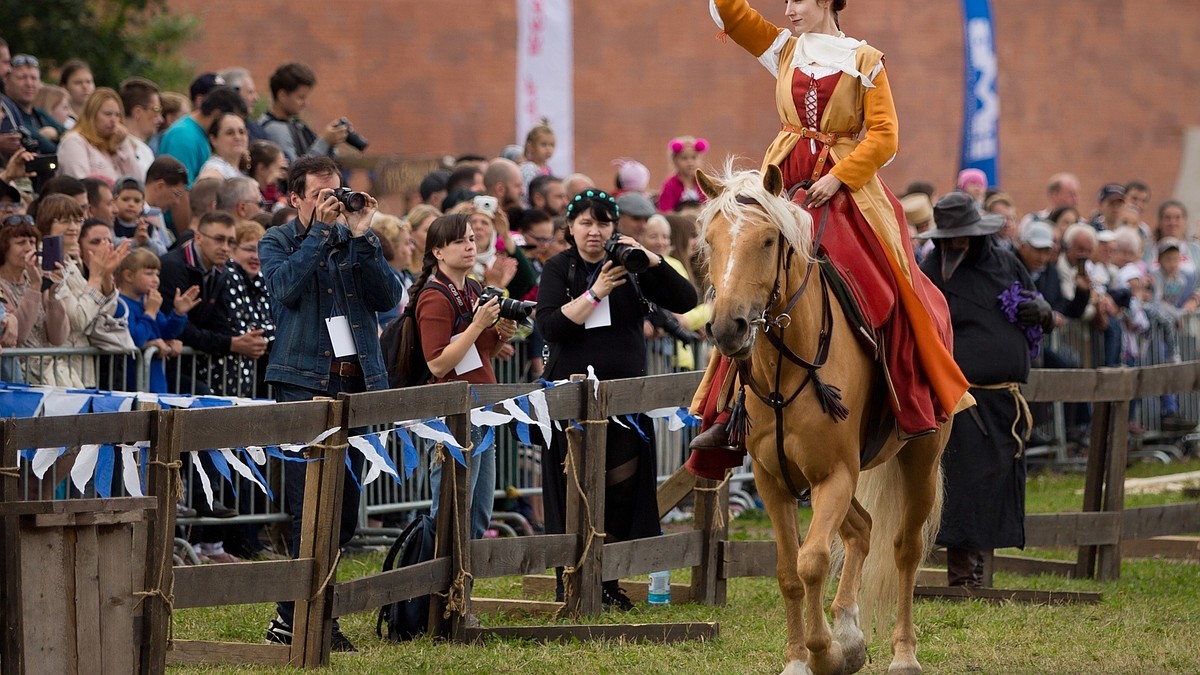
(955, 215)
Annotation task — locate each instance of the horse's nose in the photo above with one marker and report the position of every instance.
(741, 325)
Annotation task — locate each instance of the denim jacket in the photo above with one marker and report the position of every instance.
(298, 266)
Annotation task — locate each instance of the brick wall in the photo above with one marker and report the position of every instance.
(1105, 88)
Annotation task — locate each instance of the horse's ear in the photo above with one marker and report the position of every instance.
(773, 180)
(708, 185)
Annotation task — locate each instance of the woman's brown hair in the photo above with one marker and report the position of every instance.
(56, 207)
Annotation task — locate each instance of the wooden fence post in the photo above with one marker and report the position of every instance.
(454, 537)
(585, 509)
(163, 476)
(710, 516)
(1093, 486)
(11, 637)
(312, 619)
(1108, 558)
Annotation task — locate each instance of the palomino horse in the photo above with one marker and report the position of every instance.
(765, 283)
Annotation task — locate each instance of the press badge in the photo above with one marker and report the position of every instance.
(601, 316)
(470, 361)
(340, 336)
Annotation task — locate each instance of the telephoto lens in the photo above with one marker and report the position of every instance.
(353, 201)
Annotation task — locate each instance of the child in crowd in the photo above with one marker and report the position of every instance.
(682, 186)
(632, 176)
(539, 148)
(133, 223)
(137, 280)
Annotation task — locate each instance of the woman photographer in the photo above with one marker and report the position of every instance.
(459, 337)
(590, 310)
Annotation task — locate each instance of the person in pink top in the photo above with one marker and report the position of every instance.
(681, 186)
(99, 145)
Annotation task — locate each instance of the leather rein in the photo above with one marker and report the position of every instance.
(775, 327)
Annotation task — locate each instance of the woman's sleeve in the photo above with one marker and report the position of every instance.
(435, 322)
(881, 141)
(745, 25)
(141, 327)
(553, 293)
(58, 328)
(72, 156)
(666, 288)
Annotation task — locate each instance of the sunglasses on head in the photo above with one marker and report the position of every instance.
(25, 60)
(18, 219)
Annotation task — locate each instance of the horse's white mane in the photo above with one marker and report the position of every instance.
(793, 221)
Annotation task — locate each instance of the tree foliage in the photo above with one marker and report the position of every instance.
(117, 38)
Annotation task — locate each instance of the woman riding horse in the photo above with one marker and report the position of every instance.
(831, 89)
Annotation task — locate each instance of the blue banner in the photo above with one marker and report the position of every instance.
(981, 112)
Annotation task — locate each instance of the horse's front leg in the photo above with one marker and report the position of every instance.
(847, 630)
(830, 503)
(781, 507)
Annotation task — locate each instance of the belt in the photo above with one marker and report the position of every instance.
(826, 140)
(345, 369)
(1022, 411)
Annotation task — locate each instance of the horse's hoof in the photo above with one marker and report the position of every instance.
(850, 638)
(796, 668)
(913, 668)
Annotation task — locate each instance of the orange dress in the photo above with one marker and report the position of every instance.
(866, 224)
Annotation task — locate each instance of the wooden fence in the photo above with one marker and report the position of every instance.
(309, 580)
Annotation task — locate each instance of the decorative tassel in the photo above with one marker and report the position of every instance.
(830, 398)
(739, 421)
(723, 37)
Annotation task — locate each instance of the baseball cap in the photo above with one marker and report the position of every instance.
(10, 191)
(1106, 236)
(204, 83)
(1112, 190)
(636, 205)
(1167, 243)
(1038, 234)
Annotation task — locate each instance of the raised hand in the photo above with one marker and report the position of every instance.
(186, 300)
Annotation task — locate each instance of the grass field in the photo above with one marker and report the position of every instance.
(1148, 622)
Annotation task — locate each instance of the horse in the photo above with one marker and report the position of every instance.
(796, 440)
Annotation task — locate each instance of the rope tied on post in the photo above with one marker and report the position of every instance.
(456, 595)
(328, 577)
(11, 471)
(570, 572)
(174, 467)
(718, 515)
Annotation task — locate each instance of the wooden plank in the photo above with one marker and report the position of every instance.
(512, 607)
(12, 657)
(1157, 521)
(664, 633)
(59, 431)
(674, 490)
(563, 402)
(453, 537)
(1171, 548)
(161, 484)
(1072, 529)
(115, 596)
(1170, 378)
(1017, 564)
(86, 611)
(82, 520)
(747, 559)
(639, 394)
(48, 594)
(1093, 483)
(200, 652)
(1000, 595)
(392, 405)
(541, 585)
(113, 505)
(377, 590)
(643, 556)
(1084, 385)
(242, 583)
(712, 522)
(521, 555)
(587, 451)
(207, 428)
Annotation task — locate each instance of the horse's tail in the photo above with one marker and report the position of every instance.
(881, 492)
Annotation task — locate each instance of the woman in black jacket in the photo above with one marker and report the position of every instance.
(590, 310)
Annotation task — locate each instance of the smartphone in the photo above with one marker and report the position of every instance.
(486, 204)
(43, 165)
(52, 252)
(1081, 268)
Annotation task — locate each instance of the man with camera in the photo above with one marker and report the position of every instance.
(327, 278)
(291, 85)
(37, 130)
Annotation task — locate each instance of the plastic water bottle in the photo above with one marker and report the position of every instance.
(660, 588)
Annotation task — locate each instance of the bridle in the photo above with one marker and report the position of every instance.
(775, 326)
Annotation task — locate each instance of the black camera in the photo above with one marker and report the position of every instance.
(28, 142)
(667, 323)
(514, 310)
(630, 257)
(353, 138)
(353, 201)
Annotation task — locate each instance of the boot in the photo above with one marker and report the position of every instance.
(964, 567)
(712, 454)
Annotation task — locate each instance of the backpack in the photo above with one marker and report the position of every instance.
(408, 619)
(400, 342)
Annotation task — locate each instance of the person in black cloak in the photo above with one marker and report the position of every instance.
(999, 320)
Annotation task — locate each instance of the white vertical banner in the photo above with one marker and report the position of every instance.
(544, 76)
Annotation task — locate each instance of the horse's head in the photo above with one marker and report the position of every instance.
(744, 224)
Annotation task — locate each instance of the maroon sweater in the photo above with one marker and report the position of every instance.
(438, 319)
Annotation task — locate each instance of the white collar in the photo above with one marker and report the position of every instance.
(830, 51)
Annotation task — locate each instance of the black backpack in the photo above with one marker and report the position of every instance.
(408, 619)
(400, 342)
